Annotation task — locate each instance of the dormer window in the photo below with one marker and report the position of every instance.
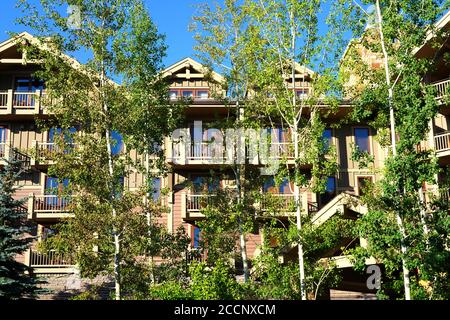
(302, 93)
(188, 94)
(173, 94)
(202, 94)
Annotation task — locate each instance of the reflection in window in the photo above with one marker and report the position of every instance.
(117, 143)
(173, 94)
(327, 139)
(196, 237)
(270, 187)
(28, 85)
(204, 184)
(302, 93)
(330, 191)
(2, 134)
(202, 94)
(156, 189)
(54, 188)
(362, 139)
(188, 94)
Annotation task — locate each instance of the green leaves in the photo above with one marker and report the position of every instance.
(14, 283)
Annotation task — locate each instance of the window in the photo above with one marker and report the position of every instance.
(328, 139)
(117, 143)
(188, 94)
(156, 189)
(23, 87)
(202, 94)
(53, 186)
(196, 237)
(2, 141)
(302, 93)
(204, 184)
(53, 132)
(48, 232)
(362, 139)
(28, 85)
(330, 191)
(2, 134)
(270, 187)
(56, 132)
(53, 190)
(284, 187)
(173, 94)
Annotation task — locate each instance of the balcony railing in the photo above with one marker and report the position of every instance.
(51, 203)
(21, 102)
(9, 153)
(48, 150)
(24, 99)
(205, 151)
(49, 259)
(196, 202)
(3, 99)
(215, 151)
(283, 202)
(49, 206)
(442, 142)
(282, 150)
(194, 254)
(441, 88)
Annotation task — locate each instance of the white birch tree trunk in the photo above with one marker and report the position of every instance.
(149, 216)
(242, 240)
(301, 263)
(112, 196)
(404, 249)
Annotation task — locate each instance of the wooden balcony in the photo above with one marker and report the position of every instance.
(49, 262)
(439, 143)
(194, 254)
(45, 152)
(215, 153)
(281, 205)
(278, 203)
(192, 204)
(441, 88)
(9, 153)
(49, 207)
(442, 144)
(345, 261)
(21, 103)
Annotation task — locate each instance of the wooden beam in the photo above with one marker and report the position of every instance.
(189, 75)
(12, 61)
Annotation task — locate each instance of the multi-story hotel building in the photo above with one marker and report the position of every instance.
(20, 106)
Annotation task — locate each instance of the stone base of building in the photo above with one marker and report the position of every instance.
(68, 286)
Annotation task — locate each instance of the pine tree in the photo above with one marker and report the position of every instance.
(14, 281)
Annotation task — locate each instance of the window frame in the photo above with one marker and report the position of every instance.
(369, 137)
(6, 128)
(326, 193)
(195, 93)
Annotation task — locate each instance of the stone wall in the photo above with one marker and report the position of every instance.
(65, 286)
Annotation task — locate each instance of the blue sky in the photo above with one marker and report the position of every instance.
(171, 16)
